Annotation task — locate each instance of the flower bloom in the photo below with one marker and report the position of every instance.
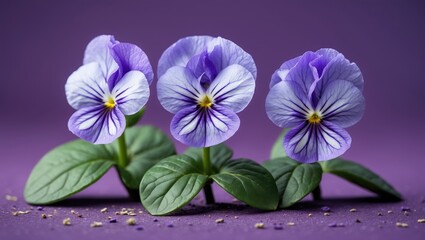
(205, 81)
(317, 95)
(113, 82)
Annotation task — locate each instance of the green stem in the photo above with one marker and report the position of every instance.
(317, 194)
(206, 163)
(122, 151)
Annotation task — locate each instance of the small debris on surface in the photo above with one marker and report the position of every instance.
(104, 210)
(325, 209)
(40, 208)
(259, 225)
(66, 222)
(96, 224)
(140, 212)
(220, 220)
(310, 215)
(17, 213)
(422, 220)
(43, 216)
(402, 225)
(290, 224)
(405, 209)
(131, 221)
(390, 212)
(358, 220)
(132, 214)
(170, 225)
(139, 228)
(236, 217)
(155, 220)
(406, 213)
(353, 210)
(112, 220)
(11, 198)
(326, 214)
(341, 225)
(332, 225)
(380, 214)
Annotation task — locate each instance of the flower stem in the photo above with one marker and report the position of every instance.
(317, 194)
(122, 151)
(206, 163)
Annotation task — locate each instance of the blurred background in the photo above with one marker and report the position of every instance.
(42, 43)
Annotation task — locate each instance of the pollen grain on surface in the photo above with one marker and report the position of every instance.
(205, 101)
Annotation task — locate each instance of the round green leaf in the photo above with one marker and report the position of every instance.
(249, 182)
(146, 146)
(294, 180)
(66, 170)
(171, 184)
(219, 155)
(277, 150)
(363, 177)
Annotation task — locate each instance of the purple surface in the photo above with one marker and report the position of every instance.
(42, 43)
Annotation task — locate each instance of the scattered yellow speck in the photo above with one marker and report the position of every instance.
(103, 210)
(44, 216)
(17, 213)
(259, 225)
(421, 220)
(66, 222)
(96, 224)
(220, 220)
(326, 214)
(310, 215)
(11, 198)
(353, 210)
(402, 225)
(131, 221)
(290, 224)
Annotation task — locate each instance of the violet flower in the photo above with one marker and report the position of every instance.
(205, 81)
(113, 82)
(317, 95)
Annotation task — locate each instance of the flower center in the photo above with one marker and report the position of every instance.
(205, 101)
(110, 103)
(314, 118)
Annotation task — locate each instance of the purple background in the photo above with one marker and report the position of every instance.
(42, 42)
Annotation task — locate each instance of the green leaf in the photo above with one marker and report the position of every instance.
(357, 174)
(294, 180)
(66, 170)
(249, 182)
(277, 150)
(132, 120)
(146, 146)
(219, 154)
(171, 184)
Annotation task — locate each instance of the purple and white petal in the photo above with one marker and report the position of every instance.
(99, 50)
(308, 143)
(132, 92)
(86, 86)
(181, 52)
(223, 53)
(130, 57)
(339, 68)
(200, 127)
(97, 124)
(341, 103)
(287, 104)
(233, 88)
(178, 88)
(282, 72)
(303, 72)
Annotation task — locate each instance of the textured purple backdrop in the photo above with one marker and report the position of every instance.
(42, 42)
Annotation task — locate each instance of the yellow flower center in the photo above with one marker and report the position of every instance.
(205, 101)
(314, 118)
(110, 103)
